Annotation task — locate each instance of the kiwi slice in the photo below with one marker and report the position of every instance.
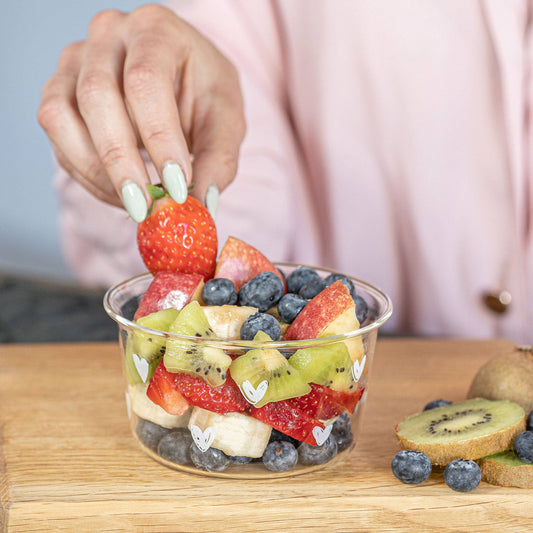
(195, 358)
(505, 469)
(138, 370)
(329, 365)
(149, 346)
(470, 430)
(264, 375)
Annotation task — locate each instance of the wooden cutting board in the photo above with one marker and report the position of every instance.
(68, 462)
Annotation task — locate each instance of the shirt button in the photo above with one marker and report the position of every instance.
(497, 302)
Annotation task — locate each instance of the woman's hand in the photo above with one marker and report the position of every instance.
(144, 79)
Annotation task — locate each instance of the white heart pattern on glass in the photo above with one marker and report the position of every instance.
(128, 405)
(357, 368)
(254, 394)
(142, 367)
(321, 435)
(202, 439)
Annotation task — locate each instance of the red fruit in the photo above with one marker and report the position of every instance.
(170, 289)
(241, 262)
(164, 393)
(225, 398)
(324, 403)
(288, 419)
(178, 237)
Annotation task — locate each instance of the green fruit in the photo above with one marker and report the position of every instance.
(149, 346)
(137, 368)
(468, 430)
(195, 358)
(505, 469)
(260, 365)
(329, 365)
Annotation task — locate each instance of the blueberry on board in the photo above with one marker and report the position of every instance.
(411, 466)
(462, 475)
(311, 288)
(332, 278)
(212, 460)
(260, 322)
(299, 277)
(436, 403)
(529, 426)
(149, 433)
(289, 307)
(342, 432)
(280, 456)
(361, 308)
(317, 455)
(219, 291)
(175, 446)
(264, 291)
(523, 446)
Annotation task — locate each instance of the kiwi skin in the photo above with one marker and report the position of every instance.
(474, 448)
(506, 470)
(506, 377)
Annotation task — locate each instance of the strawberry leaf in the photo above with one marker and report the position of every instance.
(156, 191)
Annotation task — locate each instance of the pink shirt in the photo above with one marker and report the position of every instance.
(388, 140)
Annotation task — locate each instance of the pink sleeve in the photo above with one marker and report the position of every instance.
(266, 205)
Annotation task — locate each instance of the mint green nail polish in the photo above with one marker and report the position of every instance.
(174, 181)
(211, 200)
(134, 201)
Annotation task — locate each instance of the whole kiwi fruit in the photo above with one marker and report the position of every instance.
(508, 376)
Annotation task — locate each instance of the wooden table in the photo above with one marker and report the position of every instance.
(68, 462)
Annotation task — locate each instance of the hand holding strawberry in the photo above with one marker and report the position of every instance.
(178, 237)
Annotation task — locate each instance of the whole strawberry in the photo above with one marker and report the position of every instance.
(178, 237)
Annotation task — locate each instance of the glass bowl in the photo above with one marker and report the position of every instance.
(327, 420)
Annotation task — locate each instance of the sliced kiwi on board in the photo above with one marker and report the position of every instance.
(470, 430)
(267, 371)
(150, 346)
(195, 358)
(505, 469)
(329, 365)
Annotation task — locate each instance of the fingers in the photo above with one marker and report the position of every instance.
(152, 68)
(102, 107)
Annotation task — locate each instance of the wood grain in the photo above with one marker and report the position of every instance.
(68, 462)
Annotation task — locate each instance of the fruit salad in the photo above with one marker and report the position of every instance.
(237, 366)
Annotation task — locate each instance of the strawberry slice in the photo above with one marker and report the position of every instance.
(225, 398)
(288, 419)
(164, 393)
(324, 403)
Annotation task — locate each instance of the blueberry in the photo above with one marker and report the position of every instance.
(212, 460)
(436, 403)
(260, 322)
(299, 277)
(149, 433)
(361, 308)
(290, 306)
(279, 436)
(342, 432)
(264, 291)
(280, 456)
(332, 278)
(411, 466)
(317, 455)
(219, 291)
(462, 475)
(529, 426)
(175, 446)
(241, 459)
(312, 288)
(523, 446)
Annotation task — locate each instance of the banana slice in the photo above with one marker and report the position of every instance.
(234, 433)
(226, 320)
(143, 407)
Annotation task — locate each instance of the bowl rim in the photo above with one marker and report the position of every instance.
(377, 293)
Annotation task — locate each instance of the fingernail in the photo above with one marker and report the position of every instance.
(174, 181)
(134, 201)
(211, 200)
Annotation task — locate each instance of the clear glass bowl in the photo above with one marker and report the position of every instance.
(150, 423)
